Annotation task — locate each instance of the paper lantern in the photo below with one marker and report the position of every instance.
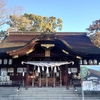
(85, 62)
(90, 62)
(95, 62)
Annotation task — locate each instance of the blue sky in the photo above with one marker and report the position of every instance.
(77, 15)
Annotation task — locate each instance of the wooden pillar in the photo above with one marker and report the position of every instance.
(60, 77)
(27, 79)
(54, 80)
(33, 78)
(67, 77)
(15, 71)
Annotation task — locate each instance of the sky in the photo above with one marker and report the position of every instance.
(77, 15)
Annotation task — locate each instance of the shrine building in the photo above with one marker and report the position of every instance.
(45, 59)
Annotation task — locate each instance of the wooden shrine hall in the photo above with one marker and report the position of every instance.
(45, 59)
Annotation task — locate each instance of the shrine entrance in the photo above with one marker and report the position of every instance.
(44, 73)
(46, 77)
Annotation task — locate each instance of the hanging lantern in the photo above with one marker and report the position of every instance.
(95, 62)
(55, 70)
(85, 62)
(38, 69)
(10, 61)
(5, 61)
(90, 62)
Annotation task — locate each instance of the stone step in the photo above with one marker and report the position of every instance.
(48, 92)
(47, 98)
(48, 95)
(45, 94)
(47, 89)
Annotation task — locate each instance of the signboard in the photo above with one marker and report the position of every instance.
(87, 85)
(10, 70)
(74, 70)
(21, 70)
(90, 76)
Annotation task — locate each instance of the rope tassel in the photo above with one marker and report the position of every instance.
(38, 69)
(47, 71)
(55, 70)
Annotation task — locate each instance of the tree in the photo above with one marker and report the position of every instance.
(35, 23)
(95, 27)
(18, 23)
(6, 12)
(3, 12)
(94, 32)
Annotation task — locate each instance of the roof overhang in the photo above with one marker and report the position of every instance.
(22, 51)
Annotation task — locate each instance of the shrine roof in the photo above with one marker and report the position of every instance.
(78, 41)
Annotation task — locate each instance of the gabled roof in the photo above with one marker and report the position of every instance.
(81, 43)
(15, 40)
(77, 41)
